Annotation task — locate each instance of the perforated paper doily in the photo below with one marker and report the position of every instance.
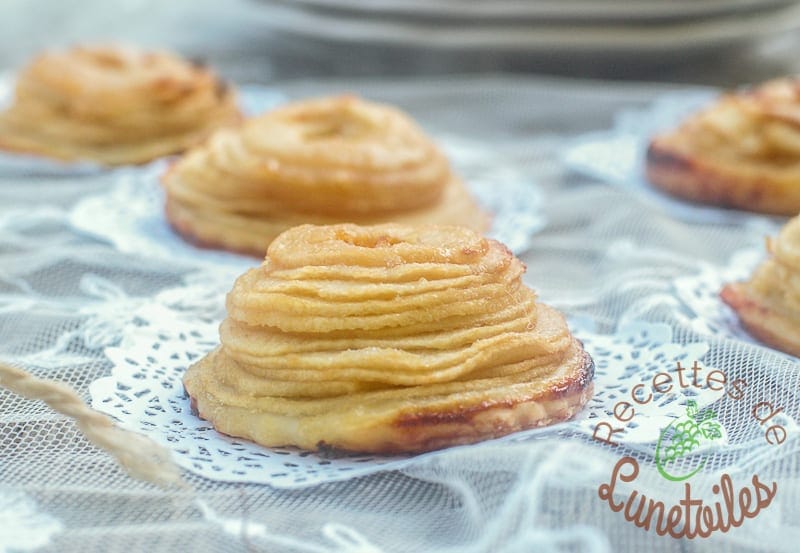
(131, 214)
(707, 313)
(617, 156)
(631, 356)
(163, 337)
(694, 299)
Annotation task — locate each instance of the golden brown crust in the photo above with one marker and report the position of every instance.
(321, 161)
(768, 305)
(114, 105)
(741, 152)
(387, 339)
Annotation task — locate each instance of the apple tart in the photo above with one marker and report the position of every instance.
(114, 105)
(743, 151)
(387, 339)
(320, 161)
(768, 305)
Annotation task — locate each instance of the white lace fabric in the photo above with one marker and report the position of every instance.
(96, 291)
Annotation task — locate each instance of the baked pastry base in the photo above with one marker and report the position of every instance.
(723, 185)
(427, 428)
(251, 234)
(766, 324)
(109, 155)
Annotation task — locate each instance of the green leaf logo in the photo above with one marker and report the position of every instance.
(684, 435)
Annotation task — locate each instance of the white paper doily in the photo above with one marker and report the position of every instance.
(252, 99)
(131, 214)
(699, 293)
(631, 356)
(705, 312)
(694, 300)
(617, 156)
(163, 337)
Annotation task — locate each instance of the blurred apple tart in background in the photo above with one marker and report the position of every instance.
(768, 305)
(742, 152)
(320, 161)
(387, 339)
(114, 105)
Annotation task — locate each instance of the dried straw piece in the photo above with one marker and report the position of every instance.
(137, 454)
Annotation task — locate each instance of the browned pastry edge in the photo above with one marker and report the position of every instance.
(693, 180)
(428, 431)
(762, 322)
(66, 160)
(185, 230)
(185, 227)
(58, 157)
(10, 148)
